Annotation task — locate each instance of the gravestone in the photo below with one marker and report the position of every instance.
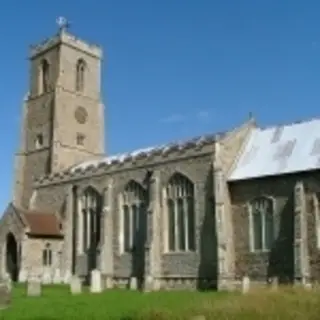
(75, 285)
(56, 276)
(133, 285)
(34, 288)
(96, 283)
(245, 284)
(5, 295)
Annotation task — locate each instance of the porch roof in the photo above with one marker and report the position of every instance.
(40, 223)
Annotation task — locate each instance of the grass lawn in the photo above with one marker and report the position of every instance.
(57, 303)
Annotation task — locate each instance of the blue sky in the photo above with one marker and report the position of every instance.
(173, 68)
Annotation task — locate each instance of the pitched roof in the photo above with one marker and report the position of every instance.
(41, 223)
(147, 152)
(280, 150)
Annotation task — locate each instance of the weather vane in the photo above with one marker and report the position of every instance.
(62, 23)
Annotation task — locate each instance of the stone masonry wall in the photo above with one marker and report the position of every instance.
(32, 262)
(281, 260)
(174, 266)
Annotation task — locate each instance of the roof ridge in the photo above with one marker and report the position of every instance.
(288, 124)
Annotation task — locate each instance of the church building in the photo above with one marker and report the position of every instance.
(198, 214)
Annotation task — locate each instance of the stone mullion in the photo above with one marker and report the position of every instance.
(186, 221)
(176, 226)
(80, 231)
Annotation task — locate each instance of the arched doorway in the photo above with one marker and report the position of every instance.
(12, 257)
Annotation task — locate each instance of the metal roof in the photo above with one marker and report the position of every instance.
(280, 150)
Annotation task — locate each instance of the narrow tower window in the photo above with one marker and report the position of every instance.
(80, 139)
(39, 141)
(80, 75)
(45, 74)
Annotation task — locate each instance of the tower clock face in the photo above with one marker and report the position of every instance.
(81, 115)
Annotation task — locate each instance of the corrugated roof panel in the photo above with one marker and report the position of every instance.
(280, 150)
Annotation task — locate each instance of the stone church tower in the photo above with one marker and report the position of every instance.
(62, 114)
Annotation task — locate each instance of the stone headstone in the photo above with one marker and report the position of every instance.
(75, 285)
(56, 276)
(34, 288)
(133, 284)
(23, 276)
(5, 296)
(96, 281)
(245, 284)
(46, 276)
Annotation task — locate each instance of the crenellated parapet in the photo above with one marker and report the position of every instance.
(138, 158)
(67, 39)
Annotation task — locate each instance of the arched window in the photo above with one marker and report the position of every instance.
(45, 76)
(91, 219)
(47, 255)
(262, 224)
(181, 214)
(80, 75)
(134, 216)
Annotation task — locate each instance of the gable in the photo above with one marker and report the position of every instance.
(11, 221)
(280, 150)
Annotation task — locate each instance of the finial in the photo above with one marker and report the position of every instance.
(62, 23)
(250, 115)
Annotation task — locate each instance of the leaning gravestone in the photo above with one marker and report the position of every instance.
(5, 295)
(34, 288)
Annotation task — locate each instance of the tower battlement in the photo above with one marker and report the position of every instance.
(68, 39)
